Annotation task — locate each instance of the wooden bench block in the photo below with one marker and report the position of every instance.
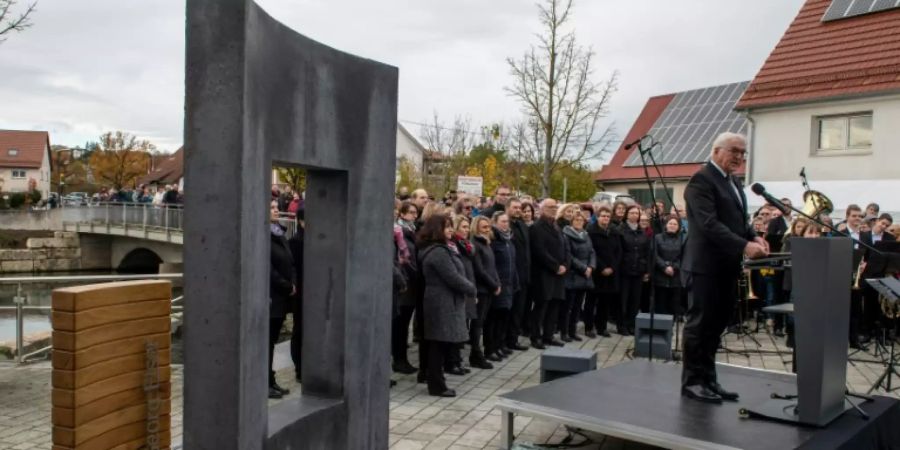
(67, 360)
(137, 430)
(72, 379)
(73, 398)
(82, 320)
(80, 298)
(81, 340)
(73, 417)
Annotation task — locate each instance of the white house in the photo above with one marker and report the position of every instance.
(410, 148)
(828, 100)
(24, 156)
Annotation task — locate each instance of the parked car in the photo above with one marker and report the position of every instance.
(76, 199)
(611, 197)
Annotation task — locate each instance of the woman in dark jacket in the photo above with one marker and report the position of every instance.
(579, 280)
(406, 301)
(444, 304)
(607, 243)
(461, 227)
(667, 268)
(282, 289)
(488, 283)
(635, 268)
(505, 261)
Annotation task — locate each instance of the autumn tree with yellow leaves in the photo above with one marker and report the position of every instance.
(120, 159)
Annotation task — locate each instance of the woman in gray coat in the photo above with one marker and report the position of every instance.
(444, 304)
(582, 262)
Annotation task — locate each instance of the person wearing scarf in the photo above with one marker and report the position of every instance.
(505, 262)
(454, 364)
(407, 300)
(579, 277)
(282, 288)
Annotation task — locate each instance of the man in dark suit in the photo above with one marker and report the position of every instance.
(719, 233)
(548, 257)
(871, 310)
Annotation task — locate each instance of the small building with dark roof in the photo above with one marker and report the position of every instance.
(685, 125)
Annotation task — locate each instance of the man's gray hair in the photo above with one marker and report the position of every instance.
(722, 138)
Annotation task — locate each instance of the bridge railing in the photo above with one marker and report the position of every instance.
(144, 216)
(20, 300)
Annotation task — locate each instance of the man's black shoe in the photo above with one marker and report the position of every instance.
(575, 337)
(458, 371)
(506, 351)
(701, 393)
(721, 392)
(493, 357)
(555, 343)
(605, 333)
(481, 364)
(537, 344)
(275, 393)
(405, 368)
(446, 393)
(518, 347)
(590, 334)
(566, 338)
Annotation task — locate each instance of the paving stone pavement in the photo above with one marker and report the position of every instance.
(417, 420)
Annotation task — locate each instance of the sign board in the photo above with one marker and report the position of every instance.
(470, 185)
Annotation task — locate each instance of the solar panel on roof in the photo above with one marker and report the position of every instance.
(691, 121)
(843, 9)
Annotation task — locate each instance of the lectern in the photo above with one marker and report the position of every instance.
(821, 276)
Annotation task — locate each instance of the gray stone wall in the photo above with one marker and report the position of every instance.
(62, 252)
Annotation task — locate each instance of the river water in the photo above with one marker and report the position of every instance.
(38, 294)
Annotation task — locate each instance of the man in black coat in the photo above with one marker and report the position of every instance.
(549, 262)
(296, 245)
(502, 196)
(282, 289)
(523, 268)
(719, 233)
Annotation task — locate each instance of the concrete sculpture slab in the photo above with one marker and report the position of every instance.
(258, 93)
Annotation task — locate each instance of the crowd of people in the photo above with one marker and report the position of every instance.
(488, 272)
(476, 279)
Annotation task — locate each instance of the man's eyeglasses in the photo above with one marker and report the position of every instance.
(737, 151)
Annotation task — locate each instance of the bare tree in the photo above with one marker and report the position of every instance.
(563, 104)
(9, 22)
(447, 139)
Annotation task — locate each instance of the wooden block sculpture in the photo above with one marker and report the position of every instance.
(111, 366)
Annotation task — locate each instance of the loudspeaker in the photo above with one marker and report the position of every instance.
(559, 362)
(662, 335)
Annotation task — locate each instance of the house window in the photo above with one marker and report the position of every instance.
(840, 134)
(18, 174)
(12, 152)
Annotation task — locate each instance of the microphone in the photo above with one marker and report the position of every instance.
(632, 144)
(760, 190)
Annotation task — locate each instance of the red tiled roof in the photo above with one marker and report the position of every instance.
(32, 147)
(817, 60)
(169, 171)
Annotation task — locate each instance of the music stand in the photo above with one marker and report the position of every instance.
(882, 267)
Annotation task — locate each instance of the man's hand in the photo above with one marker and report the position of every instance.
(762, 242)
(646, 277)
(497, 292)
(755, 250)
(669, 271)
(293, 290)
(607, 272)
(561, 270)
(588, 272)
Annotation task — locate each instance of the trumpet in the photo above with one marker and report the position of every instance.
(858, 275)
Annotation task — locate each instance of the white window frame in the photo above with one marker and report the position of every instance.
(22, 171)
(847, 150)
(12, 152)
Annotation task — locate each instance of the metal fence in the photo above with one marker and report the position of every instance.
(144, 216)
(21, 305)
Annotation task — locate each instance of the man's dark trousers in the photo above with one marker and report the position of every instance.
(711, 298)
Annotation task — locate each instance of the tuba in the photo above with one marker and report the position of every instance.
(816, 203)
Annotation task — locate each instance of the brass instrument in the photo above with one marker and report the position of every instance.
(747, 282)
(858, 275)
(816, 203)
(891, 310)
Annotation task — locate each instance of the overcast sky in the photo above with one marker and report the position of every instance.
(91, 66)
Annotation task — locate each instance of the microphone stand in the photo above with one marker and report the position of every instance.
(646, 151)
